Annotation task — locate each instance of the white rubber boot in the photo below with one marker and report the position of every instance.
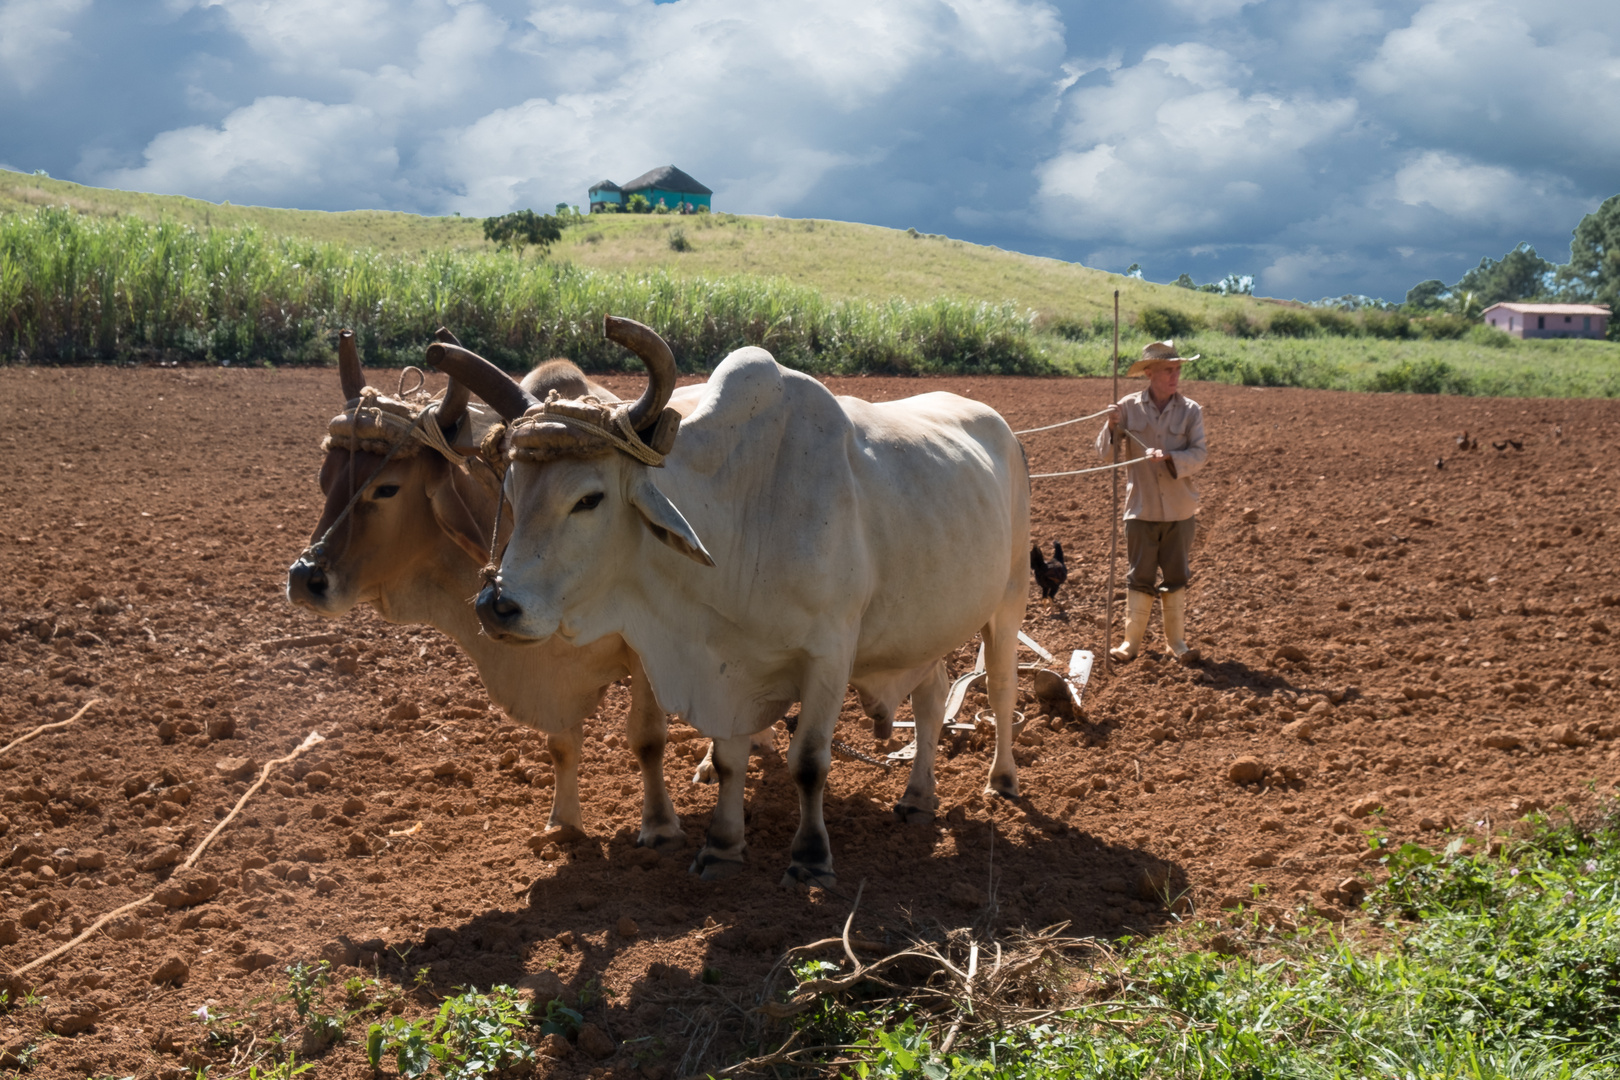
(1138, 607)
(1175, 625)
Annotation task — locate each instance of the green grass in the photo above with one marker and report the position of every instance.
(1484, 968)
(382, 230)
(841, 260)
(1500, 368)
(75, 288)
(152, 276)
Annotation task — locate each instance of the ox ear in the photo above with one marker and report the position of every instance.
(665, 521)
(453, 495)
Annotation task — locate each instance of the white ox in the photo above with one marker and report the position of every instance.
(413, 546)
(792, 543)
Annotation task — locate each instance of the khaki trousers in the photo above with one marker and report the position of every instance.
(1159, 547)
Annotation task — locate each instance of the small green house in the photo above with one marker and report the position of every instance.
(666, 184)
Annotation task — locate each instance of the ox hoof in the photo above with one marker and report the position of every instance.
(663, 843)
(913, 815)
(705, 774)
(712, 867)
(800, 876)
(563, 834)
(1006, 789)
(916, 809)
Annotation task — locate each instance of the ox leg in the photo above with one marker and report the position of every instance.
(724, 848)
(919, 804)
(760, 743)
(567, 821)
(808, 759)
(648, 729)
(1001, 665)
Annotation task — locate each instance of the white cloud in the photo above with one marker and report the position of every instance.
(34, 35)
(277, 151)
(1210, 10)
(1479, 193)
(1506, 80)
(762, 103)
(1171, 151)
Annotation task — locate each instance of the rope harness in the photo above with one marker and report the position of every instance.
(558, 427)
(378, 424)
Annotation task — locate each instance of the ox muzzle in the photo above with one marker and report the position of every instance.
(498, 613)
(307, 583)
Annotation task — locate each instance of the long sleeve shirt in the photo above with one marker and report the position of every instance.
(1160, 490)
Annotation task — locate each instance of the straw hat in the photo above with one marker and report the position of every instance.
(1158, 352)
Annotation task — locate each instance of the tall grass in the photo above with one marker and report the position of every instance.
(77, 289)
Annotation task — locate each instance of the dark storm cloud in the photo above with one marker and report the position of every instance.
(1323, 146)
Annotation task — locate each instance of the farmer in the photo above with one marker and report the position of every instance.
(1166, 428)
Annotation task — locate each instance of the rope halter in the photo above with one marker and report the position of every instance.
(576, 427)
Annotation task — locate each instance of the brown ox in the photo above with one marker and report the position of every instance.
(412, 547)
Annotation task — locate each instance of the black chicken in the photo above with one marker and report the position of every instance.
(1050, 576)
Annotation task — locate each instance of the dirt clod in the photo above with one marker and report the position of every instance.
(595, 1043)
(172, 969)
(1246, 770)
(187, 889)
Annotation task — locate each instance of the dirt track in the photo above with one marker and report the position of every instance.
(1409, 615)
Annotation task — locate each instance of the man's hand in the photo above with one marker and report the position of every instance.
(1116, 417)
(1153, 453)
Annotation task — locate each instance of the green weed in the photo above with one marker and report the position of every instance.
(472, 1035)
(1492, 967)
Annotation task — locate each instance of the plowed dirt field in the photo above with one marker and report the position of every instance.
(1406, 636)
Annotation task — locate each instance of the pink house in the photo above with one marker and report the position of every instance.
(1549, 320)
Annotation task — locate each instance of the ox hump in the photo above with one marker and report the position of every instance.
(565, 377)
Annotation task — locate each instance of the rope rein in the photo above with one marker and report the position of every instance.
(1062, 423)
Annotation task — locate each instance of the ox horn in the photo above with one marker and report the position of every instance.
(349, 373)
(482, 378)
(654, 352)
(454, 404)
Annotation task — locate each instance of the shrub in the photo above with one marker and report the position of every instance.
(1337, 323)
(1428, 376)
(1489, 336)
(1163, 323)
(638, 204)
(1443, 327)
(1293, 324)
(1387, 324)
(678, 241)
(1240, 325)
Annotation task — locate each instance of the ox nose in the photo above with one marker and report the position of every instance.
(306, 581)
(498, 613)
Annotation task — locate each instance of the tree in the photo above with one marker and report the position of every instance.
(1593, 272)
(1521, 274)
(1427, 295)
(524, 227)
(1185, 281)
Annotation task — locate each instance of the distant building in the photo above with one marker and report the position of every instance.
(1549, 320)
(604, 194)
(666, 184)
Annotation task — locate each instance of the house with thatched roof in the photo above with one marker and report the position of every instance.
(666, 185)
(605, 193)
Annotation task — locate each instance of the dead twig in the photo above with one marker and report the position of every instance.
(43, 728)
(312, 739)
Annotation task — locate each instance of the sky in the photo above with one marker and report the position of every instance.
(1323, 146)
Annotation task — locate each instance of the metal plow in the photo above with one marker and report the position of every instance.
(1049, 685)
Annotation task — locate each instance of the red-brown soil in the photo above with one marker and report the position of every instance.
(1407, 612)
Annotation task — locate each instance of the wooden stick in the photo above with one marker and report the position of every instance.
(264, 774)
(1113, 514)
(43, 728)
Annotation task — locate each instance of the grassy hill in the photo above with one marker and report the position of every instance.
(823, 295)
(842, 260)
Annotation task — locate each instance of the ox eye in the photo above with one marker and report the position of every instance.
(589, 502)
(386, 491)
